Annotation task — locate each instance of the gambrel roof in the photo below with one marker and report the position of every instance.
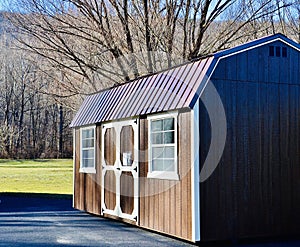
(176, 88)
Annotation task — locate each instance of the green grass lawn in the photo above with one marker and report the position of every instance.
(37, 176)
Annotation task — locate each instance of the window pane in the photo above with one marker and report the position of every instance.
(277, 51)
(169, 124)
(84, 134)
(169, 165)
(87, 154)
(157, 153)
(87, 163)
(156, 138)
(91, 133)
(88, 143)
(157, 165)
(169, 137)
(87, 133)
(157, 125)
(169, 152)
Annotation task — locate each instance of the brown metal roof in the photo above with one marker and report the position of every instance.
(164, 91)
(175, 88)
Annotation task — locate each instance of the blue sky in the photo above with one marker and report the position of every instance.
(1, 5)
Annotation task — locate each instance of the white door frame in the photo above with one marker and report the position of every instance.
(118, 168)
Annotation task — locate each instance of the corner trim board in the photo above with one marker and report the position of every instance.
(195, 172)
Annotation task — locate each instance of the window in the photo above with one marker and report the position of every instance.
(271, 51)
(163, 146)
(278, 51)
(87, 150)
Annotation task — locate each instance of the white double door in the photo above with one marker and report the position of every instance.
(119, 148)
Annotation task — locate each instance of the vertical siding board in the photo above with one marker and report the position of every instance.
(242, 66)
(147, 214)
(173, 212)
(294, 61)
(253, 65)
(231, 70)
(264, 64)
(285, 164)
(185, 158)
(242, 171)
(158, 209)
(151, 198)
(284, 70)
(178, 210)
(273, 69)
(167, 205)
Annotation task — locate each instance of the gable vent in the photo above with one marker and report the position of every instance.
(277, 51)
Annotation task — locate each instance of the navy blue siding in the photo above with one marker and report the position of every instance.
(257, 66)
(255, 190)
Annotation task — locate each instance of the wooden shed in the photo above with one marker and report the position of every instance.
(209, 150)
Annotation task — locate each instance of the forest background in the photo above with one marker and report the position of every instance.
(55, 52)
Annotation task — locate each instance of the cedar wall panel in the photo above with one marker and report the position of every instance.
(255, 190)
(87, 191)
(165, 205)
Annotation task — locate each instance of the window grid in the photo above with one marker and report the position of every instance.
(163, 152)
(87, 163)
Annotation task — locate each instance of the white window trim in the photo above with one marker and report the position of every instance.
(88, 169)
(169, 175)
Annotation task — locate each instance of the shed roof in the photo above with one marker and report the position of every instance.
(173, 89)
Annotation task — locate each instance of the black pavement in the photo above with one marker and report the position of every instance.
(47, 220)
(35, 220)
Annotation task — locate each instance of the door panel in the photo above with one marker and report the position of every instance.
(127, 145)
(127, 193)
(119, 149)
(110, 190)
(110, 146)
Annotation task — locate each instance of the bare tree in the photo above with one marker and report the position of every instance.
(30, 122)
(99, 43)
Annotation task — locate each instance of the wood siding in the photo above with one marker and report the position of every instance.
(255, 190)
(87, 187)
(165, 205)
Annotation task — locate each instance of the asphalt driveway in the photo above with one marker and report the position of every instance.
(28, 220)
(42, 221)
